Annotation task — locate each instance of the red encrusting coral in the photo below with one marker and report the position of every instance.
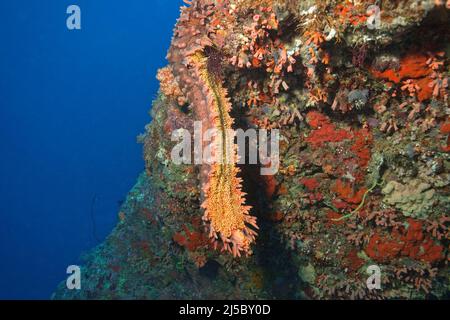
(310, 183)
(418, 72)
(191, 240)
(352, 261)
(333, 218)
(412, 66)
(348, 13)
(361, 146)
(445, 129)
(407, 242)
(324, 130)
(270, 185)
(316, 119)
(346, 193)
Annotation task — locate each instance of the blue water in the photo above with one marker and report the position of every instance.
(71, 106)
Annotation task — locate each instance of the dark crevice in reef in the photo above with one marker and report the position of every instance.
(433, 30)
(279, 272)
(280, 275)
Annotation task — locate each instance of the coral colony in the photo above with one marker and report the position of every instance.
(359, 94)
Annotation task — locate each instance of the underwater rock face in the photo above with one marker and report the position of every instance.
(361, 102)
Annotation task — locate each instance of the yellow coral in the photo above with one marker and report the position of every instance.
(224, 204)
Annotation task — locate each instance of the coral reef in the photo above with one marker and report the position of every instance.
(360, 96)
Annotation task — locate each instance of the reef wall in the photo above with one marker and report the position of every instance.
(361, 102)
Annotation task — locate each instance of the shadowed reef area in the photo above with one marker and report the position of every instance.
(359, 94)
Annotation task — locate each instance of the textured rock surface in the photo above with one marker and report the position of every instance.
(413, 199)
